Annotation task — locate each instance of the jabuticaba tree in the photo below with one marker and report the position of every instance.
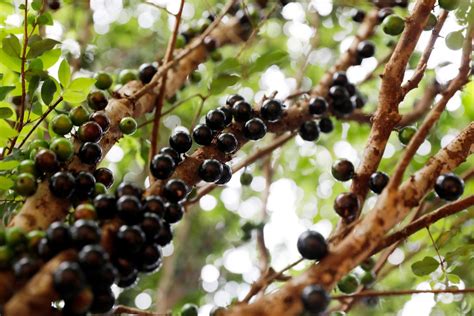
(331, 143)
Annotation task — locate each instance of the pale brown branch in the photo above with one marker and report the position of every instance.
(402, 292)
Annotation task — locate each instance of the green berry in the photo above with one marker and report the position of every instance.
(63, 148)
(27, 166)
(180, 41)
(393, 25)
(15, 237)
(348, 284)
(367, 278)
(216, 56)
(368, 264)
(37, 144)
(454, 40)
(128, 125)
(25, 184)
(449, 4)
(33, 238)
(189, 310)
(406, 133)
(61, 124)
(430, 24)
(246, 178)
(6, 255)
(100, 188)
(79, 115)
(195, 77)
(103, 80)
(126, 75)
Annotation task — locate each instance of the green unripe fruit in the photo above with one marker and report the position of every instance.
(405, 134)
(25, 184)
(195, 77)
(6, 255)
(189, 310)
(393, 25)
(85, 211)
(127, 75)
(216, 56)
(449, 4)
(33, 238)
(348, 284)
(367, 278)
(128, 125)
(79, 115)
(15, 237)
(180, 41)
(454, 40)
(37, 144)
(63, 148)
(100, 188)
(103, 80)
(430, 24)
(246, 178)
(61, 124)
(27, 166)
(368, 264)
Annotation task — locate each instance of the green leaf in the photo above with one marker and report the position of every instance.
(78, 90)
(11, 46)
(36, 5)
(36, 65)
(6, 132)
(5, 183)
(11, 62)
(8, 165)
(47, 91)
(228, 65)
(425, 266)
(221, 82)
(276, 57)
(50, 57)
(41, 46)
(45, 19)
(64, 73)
(4, 91)
(33, 84)
(5, 112)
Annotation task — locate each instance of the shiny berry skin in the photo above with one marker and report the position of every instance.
(342, 170)
(154, 204)
(63, 148)
(105, 206)
(128, 188)
(431, 23)
(366, 49)
(348, 284)
(384, 13)
(246, 178)
(406, 133)
(99, 188)
(393, 25)
(344, 106)
(85, 184)
(377, 182)
(255, 129)
(215, 119)
(312, 245)
(127, 272)
(162, 166)
(242, 111)
(54, 4)
(339, 78)
(449, 4)
(202, 134)
(231, 99)
(62, 184)
(104, 176)
(44, 250)
(173, 212)
(338, 93)
(181, 141)
(61, 124)
(325, 125)
(315, 299)
(226, 174)
(130, 239)
(368, 264)
(127, 75)
(172, 153)
(228, 114)
(351, 89)
(68, 279)
(103, 277)
(129, 209)
(26, 166)
(103, 301)
(210, 170)
(449, 186)
(79, 115)
(128, 125)
(165, 235)
(92, 257)
(25, 184)
(102, 119)
(79, 304)
(347, 206)
(227, 143)
(97, 100)
(46, 161)
(151, 226)
(357, 15)
(309, 131)
(103, 80)
(318, 106)
(189, 310)
(85, 232)
(59, 236)
(358, 101)
(90, 153)
(146, 72)
(150, 258)
(25, 268)
(272, 110)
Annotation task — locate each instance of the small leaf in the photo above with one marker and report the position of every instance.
(11, 62)
(425, 266)
(5, 183)
(33, 84)
(50, 57)
(36, 65)
(41, 46)
(454, 278)
(221, 82)
(8, 165)
(6, 132)
(36, 5)
(228, 65)
(45, 19)
(11, 45)
(4, 91)
(5, 112)
(276, 57)
(78, 90)
(64, 73)
(47, 91)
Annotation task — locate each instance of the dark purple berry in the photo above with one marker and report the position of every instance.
(449, 186)
(175, 190)
(105, 206)
(181, 141)
(210, 170)
(377, 182)
(150, 258)
(312, 245)
(92, 258)
(90, 153)
(215, 119)
(104, 176)
(62, 184)
(342, 170)
(309, 131)
(151, 226)
(85, 232)
(202, 135)
(46, 161)
(242, 111)
(272, 110)
(129, 209)
(173, 212)
(130, 239)
(128, 188)
(366, 49)
(318, 106)
(146, 72)
(162, 166)
(154, 204)
(102, 119)
(325, 125)
(347, 206)
(165, 235)
(103, 301)
(85, 184)
(339, 78)
(226, 174)
(233, 99)
(68, 279)
(255, 129)
(172, 153)
(315, 299)
(227, 143)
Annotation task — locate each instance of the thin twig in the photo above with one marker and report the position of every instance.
(402, 292)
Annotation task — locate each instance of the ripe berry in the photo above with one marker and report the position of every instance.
(210, 170)
(339, 78)
(85, 232)
(234, 98)
(346, 205)
(25, 268)
(103, 80)
(338, 93)
(357, 15)
(348, 284)
(366, 49)
(104, 176)
(318, 106)
(384, 13)
(90, 153)
(449, 4)
(315, 299)
(342, 170)
(181, 141)
(46, 161)
(151, 225)
(92, 257)
(85, 184)
(126, 75)
(128, 188)
(165, 235)
(189, 310)
(103, 277)
(255, 129)
(130, 239)
(202, 134)
(228, 114)
(325, 125)
(393, 25)
(68, 279)
(61, 124)
(127, 272)
(309, 131)
(312, 245)
(79, 115)
(172, 153)
(63, 148)
(272, 110)
(242, 111)
(54, 4)
(173, 212)
(25, 184)
(154, 204)
(377, 182)
(227, 143)
(226, 174)
(130, 209)
(431, 23)
(102, 119)
(58, 236)
(162, 166)
(449, 186)
(358, 100)
(149, 258)
(128, 125)
(97, 100)
(344, 106)
(62, 184)
(44, 250)
(103, 301)
(406, 133)
(175, 190)
(215, 119)
(105, 206)
(79, 304)
(146, 72)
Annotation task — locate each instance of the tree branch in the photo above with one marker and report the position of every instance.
(402, 292)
